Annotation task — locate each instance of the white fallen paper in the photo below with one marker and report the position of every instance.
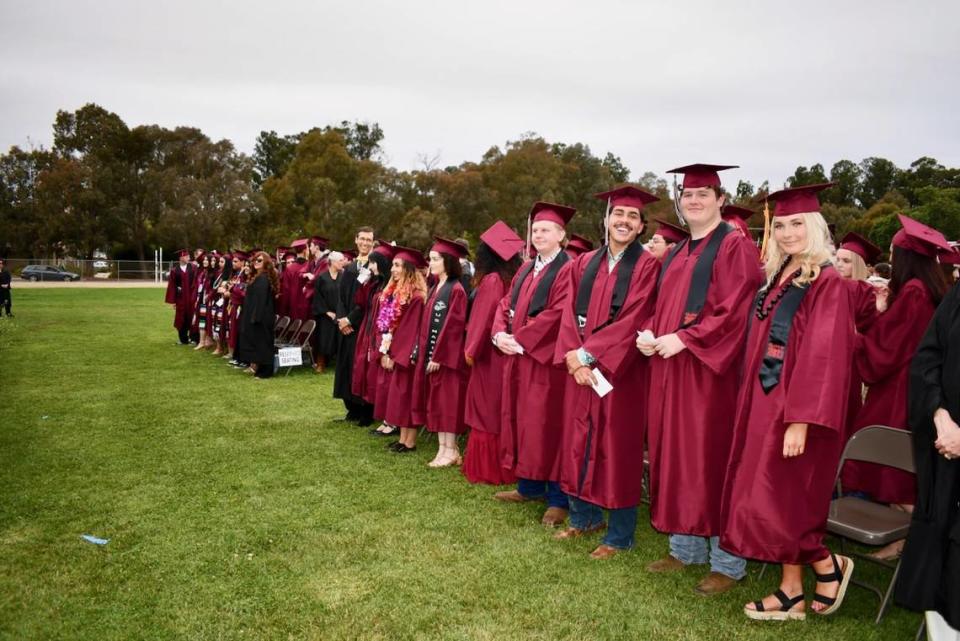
(602, 386)
(94, 539)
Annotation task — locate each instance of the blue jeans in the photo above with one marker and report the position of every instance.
(620, 530)
(693, 550)
(549, 490)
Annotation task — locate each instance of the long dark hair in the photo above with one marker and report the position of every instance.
(908, 265)
(383, 266)
(269, 270)
(451, 265)
(488, 262)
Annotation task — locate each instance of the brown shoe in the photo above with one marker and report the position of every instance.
(603, 552)
(514, 496)
(714, 583)
(572, 532)
(554, 517)
(666, 564)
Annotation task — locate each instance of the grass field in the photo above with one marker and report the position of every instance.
(243, 509)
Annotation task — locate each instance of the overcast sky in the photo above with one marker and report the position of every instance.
(766, 85)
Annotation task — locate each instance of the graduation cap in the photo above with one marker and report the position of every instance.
(951, 257)
(182, 252)
(449, 247)
(240, 255)
(385, 250)
(920, 238)
(502, 240)
(734, 213)
(320, 241)
(578, 245)
(627, 196)
(700, 175)
(350, 254)
(410, 255)
(860, 246)
(670, 232)
(560, 214)
(797, 200)
(299, 244)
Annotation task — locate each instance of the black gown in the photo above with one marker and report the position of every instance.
(930, 570)
(347, 308)
(257, 318)
(326, 291)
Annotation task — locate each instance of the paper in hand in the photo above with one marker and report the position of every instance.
(646, 336)
(602, 387)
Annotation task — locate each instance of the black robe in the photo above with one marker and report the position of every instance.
(326, 291)
(930, 569)
(257, 318)
(347, 308)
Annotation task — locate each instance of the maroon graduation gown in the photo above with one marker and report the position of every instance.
(883, 362)
(199, 300)
(532, 404)
(290, 289)
(395, 400)
(602, 453)
(366, 354)
(303, 302)
(774, 509)
(238, 290)
(180, 293)
(864, 296)
(441, 394)
(693, 395)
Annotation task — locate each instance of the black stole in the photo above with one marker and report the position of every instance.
(438, 315)
(624, 274)
(540, 295)
(702, 271)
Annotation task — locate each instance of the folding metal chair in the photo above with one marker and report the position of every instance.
(867, 522)
(279, 327)
(288, 334)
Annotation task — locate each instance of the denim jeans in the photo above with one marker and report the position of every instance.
(549, 490)
(693, 550)
(620, 529)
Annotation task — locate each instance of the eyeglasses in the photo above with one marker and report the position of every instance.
(259, 260)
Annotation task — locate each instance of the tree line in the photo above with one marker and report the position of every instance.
(106, 186)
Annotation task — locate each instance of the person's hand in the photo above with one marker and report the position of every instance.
(432, 367)
(669, 345)
(646, 347)
(469, 359)
(584, 376)
(308, 275)
(332, 316)
(883, 294)
(342, 322)
(948, 434)
(794, 440)
(573, 361)
(346, 331)
(507, 344)
(386, 363)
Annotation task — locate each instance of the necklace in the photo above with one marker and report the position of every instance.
(765, 306)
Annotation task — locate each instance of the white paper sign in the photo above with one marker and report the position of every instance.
(289, 356)
(603, 386)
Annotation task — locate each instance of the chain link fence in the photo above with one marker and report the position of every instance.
(71, 269)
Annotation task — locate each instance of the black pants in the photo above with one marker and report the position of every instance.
(6, 300)
(264, 370)
(184, 333)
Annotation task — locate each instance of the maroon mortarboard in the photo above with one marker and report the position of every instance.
(579, 244)
(385, 249)
(320, 241)
(240, 255)
(731, 212)
(797, 200)
(449, 247)
(502, 240)
(183, 252)
(700, 175)
(669, 232)
(350, 254)
(410, 255)
(299, 244)
(627, 196)
(288, 253)
(920, 238)
(861, 247)
(560, 214)
(951, 257)
(254, 250)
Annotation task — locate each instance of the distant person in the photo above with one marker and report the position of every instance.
(180, 294)
(5, 294)
(324, 308)
(257, 317)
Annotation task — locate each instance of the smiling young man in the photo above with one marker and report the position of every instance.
(706, 287)
(349, 317)
(613, 294)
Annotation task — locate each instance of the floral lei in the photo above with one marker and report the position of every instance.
(389, 315)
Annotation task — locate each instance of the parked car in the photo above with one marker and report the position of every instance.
(101, 264)
(47, 272)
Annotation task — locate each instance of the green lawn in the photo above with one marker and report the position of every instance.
(243, 509)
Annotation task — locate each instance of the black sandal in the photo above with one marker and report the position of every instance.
(785, 613)
(841, 576)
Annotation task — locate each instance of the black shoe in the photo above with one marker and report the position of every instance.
(403, 449)
(395, 446)
(350, 417)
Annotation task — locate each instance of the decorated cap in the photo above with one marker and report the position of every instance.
(449, 247)
(502, 240)
(299, 244)
(627, 196)
(560, 214)
(670, 232)
(700, 175)
(797, 200)
(579, 244)
(860, 246)
(410, 255)
(920, 238)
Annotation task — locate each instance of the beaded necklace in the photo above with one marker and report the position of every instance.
(764, 306)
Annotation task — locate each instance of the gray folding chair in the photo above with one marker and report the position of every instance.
(280, 327)
(867, 522)
(288, 334)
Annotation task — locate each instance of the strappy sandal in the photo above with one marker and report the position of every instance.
(841, 576)
(784, 613)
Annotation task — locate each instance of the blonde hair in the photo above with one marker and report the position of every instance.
(859, 269)
(815, 254)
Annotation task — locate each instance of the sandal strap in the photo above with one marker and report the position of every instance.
(759, 606)
(836, 575)
(827, 601)
(787, 602)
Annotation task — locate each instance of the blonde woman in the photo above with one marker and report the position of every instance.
(791, 412)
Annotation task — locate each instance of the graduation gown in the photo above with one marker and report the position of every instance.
(864, 296)
(602, 453)
(324, 299)
(238, 290)
(303, 302)
(366, 357)
(257, 319)
(930, 570)
(180, 293)
(531, 412)
(199, 316)
(348, 307)
(774, 509)
(440, 395)
(290, 289)
(882, 361)
(396, 395)
(692, 395)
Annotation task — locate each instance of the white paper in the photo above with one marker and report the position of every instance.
(602, 386)
(289, 356)
(363, 276)
(646, 336)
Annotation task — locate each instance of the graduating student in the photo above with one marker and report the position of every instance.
(236, 291)
(324, 309)
(788, 430)
(525, 329)
(498, 258)
(291, 289)
(180, 293)
(317, 264)
(613, 292)
(738, 217)
(255, 343)
(665, 237)
(577, 245)
(349, 317)
(441, 382)
(366, 370)
(398, 323)
(201, 288)
(883, 357)
(695, 346)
